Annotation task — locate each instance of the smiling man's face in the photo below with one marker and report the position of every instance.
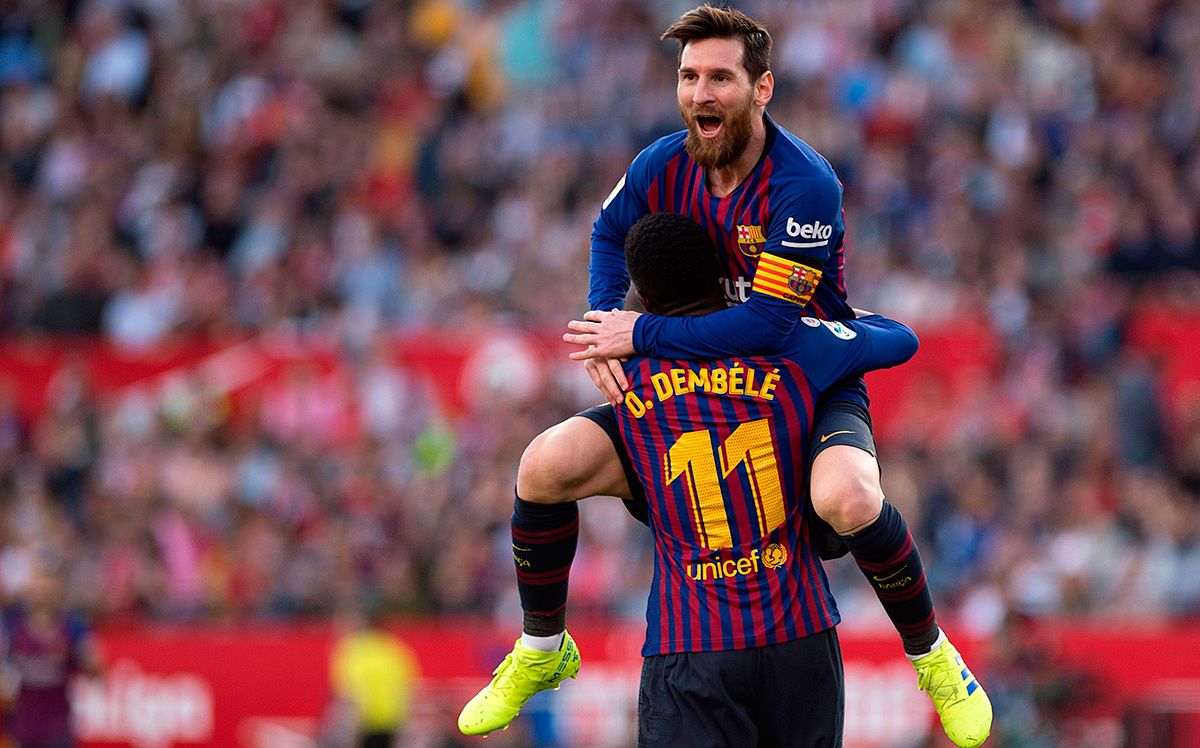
(716, 100)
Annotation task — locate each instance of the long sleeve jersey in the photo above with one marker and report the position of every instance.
(720, 448)
(779, 233)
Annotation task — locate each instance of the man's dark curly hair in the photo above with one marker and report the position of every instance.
(671, 260)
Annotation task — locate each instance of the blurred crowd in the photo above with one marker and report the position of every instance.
(350, 170)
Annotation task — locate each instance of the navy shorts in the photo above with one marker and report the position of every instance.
(785, 695)
(841, 422)
(605, 416)
(836, 422)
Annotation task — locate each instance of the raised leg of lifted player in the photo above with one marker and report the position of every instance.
(570, 461)
(846, 493)
(565, 463)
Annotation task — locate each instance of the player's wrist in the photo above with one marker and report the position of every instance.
(643, 326)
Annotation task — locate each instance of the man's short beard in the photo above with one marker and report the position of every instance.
(724, 150)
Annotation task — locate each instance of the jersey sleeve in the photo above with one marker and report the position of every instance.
(831, 351)
(806, 225)
(609, 279)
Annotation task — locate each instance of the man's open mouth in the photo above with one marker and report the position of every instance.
(708, 125)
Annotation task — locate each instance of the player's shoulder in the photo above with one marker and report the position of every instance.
(796, 160)
(659, 153)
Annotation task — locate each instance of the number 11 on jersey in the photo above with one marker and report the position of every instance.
(750, 444)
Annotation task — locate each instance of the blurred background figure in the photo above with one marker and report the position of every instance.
(44, 645)
(372, 673)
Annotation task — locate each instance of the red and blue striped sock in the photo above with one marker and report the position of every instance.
(544, 537)
(888, 557)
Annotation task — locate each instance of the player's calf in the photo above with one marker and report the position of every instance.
(570, 461)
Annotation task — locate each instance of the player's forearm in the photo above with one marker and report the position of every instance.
(750, 329)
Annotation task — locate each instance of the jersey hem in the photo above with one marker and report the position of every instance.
(722, 645)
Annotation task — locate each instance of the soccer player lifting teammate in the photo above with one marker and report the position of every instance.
(772, 206)
(740, 613)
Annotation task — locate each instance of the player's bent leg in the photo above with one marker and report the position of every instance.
(846, 493)
(570, 461)
(845, 487)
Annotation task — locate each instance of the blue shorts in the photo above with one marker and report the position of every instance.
(786, 695)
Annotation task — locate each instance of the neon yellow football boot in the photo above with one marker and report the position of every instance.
(523, 673)
(961, 703)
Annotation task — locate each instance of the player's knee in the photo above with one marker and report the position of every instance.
(847, 498)
(549, 470)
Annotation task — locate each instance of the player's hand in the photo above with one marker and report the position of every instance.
(606, 334)
(609, 377)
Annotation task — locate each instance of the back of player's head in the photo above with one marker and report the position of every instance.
(673, 263)
(710, 22)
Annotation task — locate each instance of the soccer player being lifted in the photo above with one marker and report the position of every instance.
(772, 206)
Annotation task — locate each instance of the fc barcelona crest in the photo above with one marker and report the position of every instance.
(802, 282)
(750, 240)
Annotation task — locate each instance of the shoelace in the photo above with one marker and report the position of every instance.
(509, 676)
(948, 683)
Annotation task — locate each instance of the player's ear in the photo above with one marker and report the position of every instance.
(764, 89)
(643, 301)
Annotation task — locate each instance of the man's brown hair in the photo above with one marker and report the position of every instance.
(709, 22)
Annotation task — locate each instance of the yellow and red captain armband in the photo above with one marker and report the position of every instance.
(784, 279)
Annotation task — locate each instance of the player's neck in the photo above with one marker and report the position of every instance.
(724, 180)
(692, 308)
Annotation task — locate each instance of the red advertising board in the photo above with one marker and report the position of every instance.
(165, 687)
(262, 687)
(460, 374)
(956, 362)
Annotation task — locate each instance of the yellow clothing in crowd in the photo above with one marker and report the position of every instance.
(375, 671)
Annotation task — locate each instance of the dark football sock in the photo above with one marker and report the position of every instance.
(544, 537)
(888, 557)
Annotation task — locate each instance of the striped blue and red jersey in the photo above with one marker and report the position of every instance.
(719, 447)
(780, 235)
